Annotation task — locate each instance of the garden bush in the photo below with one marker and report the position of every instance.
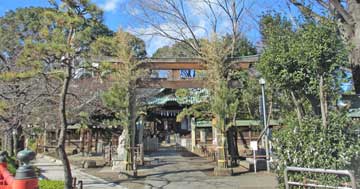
(313, 146)
(32, 144)
(11, 164)
(51, 184)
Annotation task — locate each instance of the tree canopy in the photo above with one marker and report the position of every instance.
(243, 47)
(346, 14)
(121, 97)
(294, 59)
(57, 50)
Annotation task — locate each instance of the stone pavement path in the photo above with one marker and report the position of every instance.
(53, 170)
(172, 170)
(181, 171)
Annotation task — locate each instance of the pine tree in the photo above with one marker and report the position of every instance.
(121, 98)
(66, 31)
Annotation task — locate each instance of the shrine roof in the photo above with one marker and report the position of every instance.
(195, 96)
(239, 123)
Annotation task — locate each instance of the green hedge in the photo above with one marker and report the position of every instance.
(51, 184)
(311, 145)
(11, 164)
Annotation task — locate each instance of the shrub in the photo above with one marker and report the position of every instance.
(11, 165)
(51, 184)
(313, 146)
(32, 144)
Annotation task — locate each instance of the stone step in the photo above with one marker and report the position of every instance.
(249, 164)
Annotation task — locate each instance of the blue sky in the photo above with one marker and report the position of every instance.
(114, 17)
(117, 14)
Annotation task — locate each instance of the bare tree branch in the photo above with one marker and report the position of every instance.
(213, 16)
(324, 4)
(4, 60)
(307, 12)
(347, 17)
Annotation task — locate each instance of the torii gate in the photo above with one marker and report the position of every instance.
(174, 65)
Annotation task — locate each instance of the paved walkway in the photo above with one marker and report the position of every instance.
(53, 170)
(178, 170)
(170, 169)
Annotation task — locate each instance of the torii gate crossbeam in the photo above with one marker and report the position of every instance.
(174, 65)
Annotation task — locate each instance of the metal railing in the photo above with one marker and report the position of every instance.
(78, 184)
(314, 170)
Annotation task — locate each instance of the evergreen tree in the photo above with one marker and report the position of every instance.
(65, 32)
(121, 97)
(304, 61)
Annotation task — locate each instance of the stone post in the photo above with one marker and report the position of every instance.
(203, 136)
(141, 129)
(141, 138)
(214, 132)
(45, 141)
(96, 129)
(119, 161)
(193, 136)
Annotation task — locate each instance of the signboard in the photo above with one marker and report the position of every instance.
(253, 145)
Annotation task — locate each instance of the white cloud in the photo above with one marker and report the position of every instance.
(110, 5)
(156, 42)
(199, 18)
(152, 41)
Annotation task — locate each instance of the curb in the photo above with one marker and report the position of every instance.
(101, 180)
(57, 161)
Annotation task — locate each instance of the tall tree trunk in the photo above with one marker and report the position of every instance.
(68, 136)
(242, 138)
(298, 109)
(314, 101)
(353, 34)
(223, 149)
(89, 141)
(323, 102)
(9, 142)
(131, 127)
(232, 143)
(3, 142)
(96, 140)
(128, 156)
(140, 132)
(355, 68)
(60, 148)
(222, 144)
(15, 140)
(234, 18)
(45, 139)
(82, 141)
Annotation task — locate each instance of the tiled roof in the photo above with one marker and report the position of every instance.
(354, 113)
(239, 123)
(195, 96)
(352, 100)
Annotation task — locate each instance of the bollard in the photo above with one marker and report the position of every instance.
(80, 183)
(25, 177)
